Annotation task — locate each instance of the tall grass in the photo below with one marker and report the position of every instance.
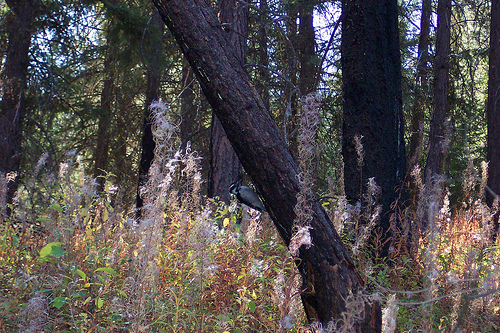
(81, 265)
(72, 261)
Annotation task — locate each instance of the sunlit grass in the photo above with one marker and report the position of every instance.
(82, 264)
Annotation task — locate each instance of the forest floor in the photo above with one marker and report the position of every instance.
(195, 265)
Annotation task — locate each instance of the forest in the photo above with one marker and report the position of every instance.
(249, 166)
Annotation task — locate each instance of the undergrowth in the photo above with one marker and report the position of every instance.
(209, 277)
(81, 263)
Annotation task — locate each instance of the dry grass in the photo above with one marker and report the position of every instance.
(78, 263)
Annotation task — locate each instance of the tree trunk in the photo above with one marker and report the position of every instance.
(154, 52)
(439, 133)
(19, 24)
(439, 128)
(101, 151)
(493, 108)
(225, 167)
(188, 108)
(421, 86)
(329, 277)
(291, 72)
(438, 136)
(371, 73)
(306, 49)
(262, 54)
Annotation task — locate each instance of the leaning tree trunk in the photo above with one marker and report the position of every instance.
(329, 276)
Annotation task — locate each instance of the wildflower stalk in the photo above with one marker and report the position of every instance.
(307, 166)
(160, 181)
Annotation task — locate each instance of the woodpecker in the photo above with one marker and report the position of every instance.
(246, 195)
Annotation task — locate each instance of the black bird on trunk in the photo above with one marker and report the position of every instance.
(247, 196)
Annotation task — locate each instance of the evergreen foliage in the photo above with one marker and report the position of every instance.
(75, 258)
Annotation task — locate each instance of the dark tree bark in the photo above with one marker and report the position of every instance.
(19, 22)
(225, 167)
(328, 272)
(493, 108)
(262, 54)
(153, 54)
(306, 49)
(101, 151)
(422, 99)
(291, 72)
(438, 136)
(421, 102)
(371, 72)
(188, 108)
(302, 64)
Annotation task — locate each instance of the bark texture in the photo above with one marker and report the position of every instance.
(101, 151)
(371, 73)
(422, 99)
(13, 78)
(225, 167)
(154, 51)
(493, 108)
(439, 132)
(262, 54)
(329, 276)
(307, 49)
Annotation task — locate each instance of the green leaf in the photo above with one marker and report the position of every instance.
(252, 306)
(84, 211)
(99, 302)
(121, 292)
(82, 274)
(52, 249)
(57, 252)
(107, 269)
(59, 302)
(57, 207)
(109, 207)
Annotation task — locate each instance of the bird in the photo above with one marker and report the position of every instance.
(247, 196)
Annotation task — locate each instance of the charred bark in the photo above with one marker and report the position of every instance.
(328, 273)
(439, 127)
(439, 133)
(188, 107)
(101, 151)
(307, 49)
(493, 109)
(154, 51)
(13, 79)
(225, 167)
(262, 54)
(422, 99)
(371, 75)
